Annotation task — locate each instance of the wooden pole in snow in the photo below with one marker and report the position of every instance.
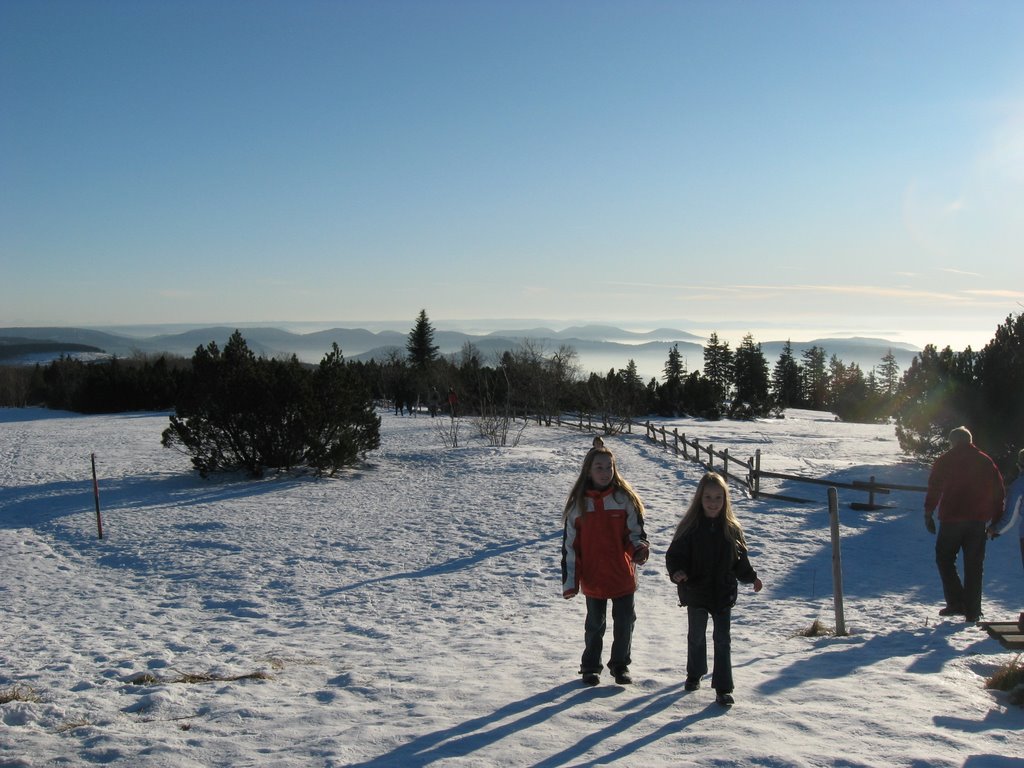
(96, 495)
(757, 472)
(837, 561)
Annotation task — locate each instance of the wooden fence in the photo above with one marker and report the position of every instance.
(746, 473)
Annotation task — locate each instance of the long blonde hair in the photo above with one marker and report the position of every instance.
(577, 496)
(693, 514)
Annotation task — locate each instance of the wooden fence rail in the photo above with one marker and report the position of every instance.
(745, 473)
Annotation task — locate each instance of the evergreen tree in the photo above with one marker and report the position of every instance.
(237, 411)
(339, 422)
(751, 379)
(700, 397)
(888, 372)
(938, 392)
(670, 395)
(675, 368)
(814, 378)
(853, 398)
(718, 366)
(836, 379)
(420, 346)
(633, 390)
(786, 380)
(1000, 371)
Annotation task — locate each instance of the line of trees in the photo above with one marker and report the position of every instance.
(734, 383)
(940, 390)
(138, 383)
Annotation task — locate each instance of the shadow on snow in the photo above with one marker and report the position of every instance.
(478, 733)
(33, 505)
(450, 566)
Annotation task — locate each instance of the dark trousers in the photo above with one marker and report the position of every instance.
(623, 619)
(697, 646)
(968, 536)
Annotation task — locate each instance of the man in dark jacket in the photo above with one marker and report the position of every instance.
(967, 488)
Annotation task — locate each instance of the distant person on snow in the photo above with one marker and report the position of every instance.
(706, 561)
(1014, 507)
(453, 402)
(602, 544)
(966, 486)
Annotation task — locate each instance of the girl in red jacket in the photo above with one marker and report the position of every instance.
(602, 543)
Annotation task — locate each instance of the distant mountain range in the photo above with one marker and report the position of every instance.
(599, 348)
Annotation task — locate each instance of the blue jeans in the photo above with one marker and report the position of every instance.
(623, 619)
(697, 646)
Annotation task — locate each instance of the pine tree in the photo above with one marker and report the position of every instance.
(237, 411)
(786, 379)
(938, 392)
(751, 378)
(888, 372)
(670, 394)
(420, 346)
(815, 378)
(1001, 374)
(718, 366)
(674, 369)
(633, 388)
(854, 397)
(836, 378)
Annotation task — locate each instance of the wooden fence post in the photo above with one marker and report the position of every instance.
(725, 459)
(686, 453)
(711, 456)
(757, 472)
(837, 561)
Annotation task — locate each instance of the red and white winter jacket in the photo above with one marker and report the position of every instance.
(598, 546)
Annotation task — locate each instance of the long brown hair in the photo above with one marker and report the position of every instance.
(577, 496)
(733, 529)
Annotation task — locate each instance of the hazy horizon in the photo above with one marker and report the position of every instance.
(732, 331)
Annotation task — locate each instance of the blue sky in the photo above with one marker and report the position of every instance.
(787, 168)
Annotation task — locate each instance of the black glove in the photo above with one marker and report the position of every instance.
(641, 553)
(929, 523)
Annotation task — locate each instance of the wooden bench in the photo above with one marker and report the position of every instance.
(1008, 633)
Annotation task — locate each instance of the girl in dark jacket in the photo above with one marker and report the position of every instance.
(706, 559)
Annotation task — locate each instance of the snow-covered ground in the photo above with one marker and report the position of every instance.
(408, 612)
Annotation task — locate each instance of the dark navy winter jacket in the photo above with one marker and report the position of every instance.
(713, 566)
